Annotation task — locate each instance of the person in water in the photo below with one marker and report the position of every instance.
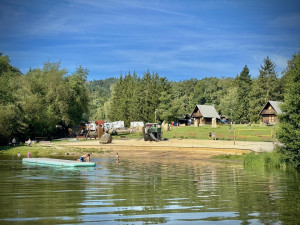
(85, 158)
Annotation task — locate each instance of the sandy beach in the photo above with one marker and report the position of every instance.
(172, 148)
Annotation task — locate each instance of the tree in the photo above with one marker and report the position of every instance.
(99, 92)
(48, 97)
(229, 103)
(116, 98)
(289, 127)
(77, 100)
(266, 87)
(164, 109)
(45, 90)
(11, 115)
(243, 90)
(6, 67)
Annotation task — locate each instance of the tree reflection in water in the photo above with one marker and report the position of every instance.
(148, 192)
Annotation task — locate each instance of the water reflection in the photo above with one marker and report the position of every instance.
(147, 192)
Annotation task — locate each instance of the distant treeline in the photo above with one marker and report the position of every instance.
(134, 98)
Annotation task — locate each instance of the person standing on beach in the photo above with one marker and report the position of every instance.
(131, 131)
(209, 135)
(14, 141)
(117, 157)
(214, 135)
(29, 142)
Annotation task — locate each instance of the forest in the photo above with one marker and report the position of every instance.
(135, 98)
(35, 103)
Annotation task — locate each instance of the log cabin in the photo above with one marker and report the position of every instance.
(203, 114)
(270, 111)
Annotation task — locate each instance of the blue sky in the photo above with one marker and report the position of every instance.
(177, 39)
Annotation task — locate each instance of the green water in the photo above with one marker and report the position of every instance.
(137, 192)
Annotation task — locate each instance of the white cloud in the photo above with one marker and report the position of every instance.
(290, 20)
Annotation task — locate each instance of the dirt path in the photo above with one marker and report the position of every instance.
(173, 148)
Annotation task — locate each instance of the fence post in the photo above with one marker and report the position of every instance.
(233, 136)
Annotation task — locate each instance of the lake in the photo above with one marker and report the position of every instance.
(148, 192)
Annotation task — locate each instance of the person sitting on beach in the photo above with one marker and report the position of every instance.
(85, 158)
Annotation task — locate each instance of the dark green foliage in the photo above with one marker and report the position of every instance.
(99, 94)
(136, 99)
(77, 99)
(289, 132)
(244, 86)
(265, 88)
(6, 67)
(11, 115)
(52, 98)
(32, 105)
(183, 98)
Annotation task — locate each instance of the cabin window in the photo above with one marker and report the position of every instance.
(271, 119)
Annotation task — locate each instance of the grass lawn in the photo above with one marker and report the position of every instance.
(224, 132)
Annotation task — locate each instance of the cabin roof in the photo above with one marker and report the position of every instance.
(275, 105)
(208, 111)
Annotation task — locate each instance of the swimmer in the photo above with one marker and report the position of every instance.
(84, 158)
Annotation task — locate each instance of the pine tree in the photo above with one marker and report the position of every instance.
(289, 127)
(115, 109)
(244, 87)
(265, 88)
(164, 111)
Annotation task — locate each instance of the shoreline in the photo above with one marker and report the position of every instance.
(172, 148)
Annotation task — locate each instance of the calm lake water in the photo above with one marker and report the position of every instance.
(138, 192)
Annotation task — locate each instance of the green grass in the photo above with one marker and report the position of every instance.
(37, 150)
(223, 132)
(230, 157)
(273, 159)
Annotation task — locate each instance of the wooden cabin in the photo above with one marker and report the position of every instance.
(270, 111)
(203, 114)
